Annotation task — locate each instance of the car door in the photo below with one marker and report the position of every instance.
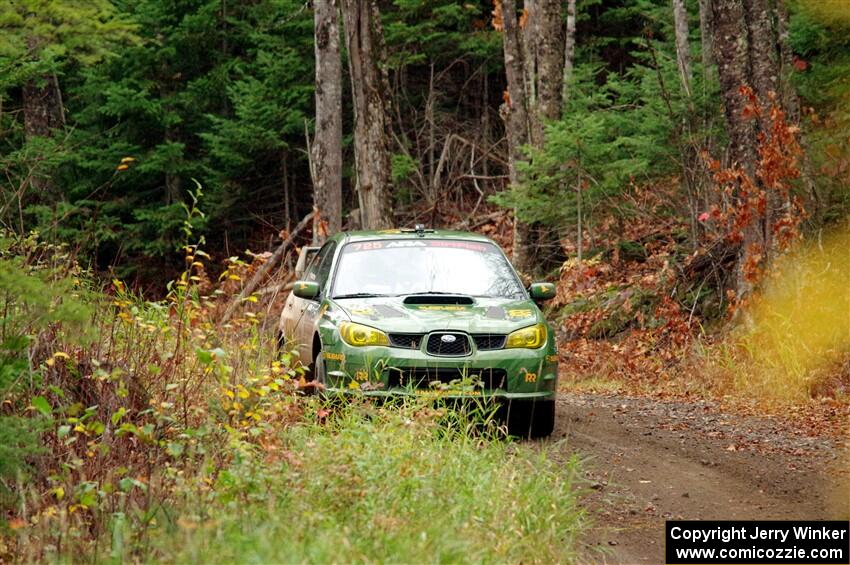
(319, 272)
(293, 308)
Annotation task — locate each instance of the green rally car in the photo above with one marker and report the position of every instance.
(424, 312)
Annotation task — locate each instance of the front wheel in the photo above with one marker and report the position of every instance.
(319, 374)
(531, 419)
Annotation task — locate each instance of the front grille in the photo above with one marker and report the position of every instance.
(407, 341)
(422, 377)
(442, 344)
(488, 341)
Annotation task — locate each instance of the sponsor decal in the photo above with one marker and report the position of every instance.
(444, 392)
(552, 358)
(454, 244)
(496, 312)
(405, 243)
(367, 245)
(388, 311)
(335, 356)
(519, 313)
(362, 311)
(530, 377)
(443, 307)
(361, 375)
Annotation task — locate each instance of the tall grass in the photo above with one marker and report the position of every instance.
(792, 341)
(146, 431)
(373, 484)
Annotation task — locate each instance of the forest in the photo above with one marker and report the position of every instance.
(680, 169)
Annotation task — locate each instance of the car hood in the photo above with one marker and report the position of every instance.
(484, 315)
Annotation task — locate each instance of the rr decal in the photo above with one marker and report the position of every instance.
(530, 377)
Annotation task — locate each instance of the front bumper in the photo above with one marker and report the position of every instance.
(524, 374)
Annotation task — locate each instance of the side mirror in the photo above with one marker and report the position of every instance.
(542, 290)
(306, 289)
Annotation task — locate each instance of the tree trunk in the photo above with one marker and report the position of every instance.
(372, 131)
(790, 100)
(765, 69)
(731, 54)
(569, 47)
(791, 104)
(747, 50)
(327, 144)
(42, 106)
(43, 112)
(764, 62)
(534, 65)
(514, 112)
(544, 67)
(173, 181)
(731, 50)
(705, 31)
(515, 109)
(683, 53)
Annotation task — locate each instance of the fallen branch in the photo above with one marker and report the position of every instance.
(280, 287)
(266, 267)
(470, 224)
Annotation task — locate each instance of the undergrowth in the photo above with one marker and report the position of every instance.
(376, 484)
(138, 430)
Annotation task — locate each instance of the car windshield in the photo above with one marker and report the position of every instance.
(438, 266)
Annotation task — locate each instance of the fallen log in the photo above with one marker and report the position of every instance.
(264, 269)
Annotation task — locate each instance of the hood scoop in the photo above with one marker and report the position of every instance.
(439, 299)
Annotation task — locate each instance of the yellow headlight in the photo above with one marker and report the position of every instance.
(360, 335)
(531, 337)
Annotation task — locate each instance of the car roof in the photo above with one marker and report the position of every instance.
(408, 234)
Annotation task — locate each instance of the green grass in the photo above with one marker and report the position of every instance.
(393, 484)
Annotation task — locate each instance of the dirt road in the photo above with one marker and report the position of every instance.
(648, 461)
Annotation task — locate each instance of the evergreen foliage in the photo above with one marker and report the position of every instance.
(156, 94)
(39, 295)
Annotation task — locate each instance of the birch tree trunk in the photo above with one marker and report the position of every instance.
(372, 128)
(683, 54)
(569, 48)
(327, 144)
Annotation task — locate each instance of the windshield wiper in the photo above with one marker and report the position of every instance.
(359, 295)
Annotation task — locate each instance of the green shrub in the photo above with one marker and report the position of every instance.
(40, 298)
(399, 484)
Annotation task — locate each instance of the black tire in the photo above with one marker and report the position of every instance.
(531, 419)
(542, 418)
(319, 374)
